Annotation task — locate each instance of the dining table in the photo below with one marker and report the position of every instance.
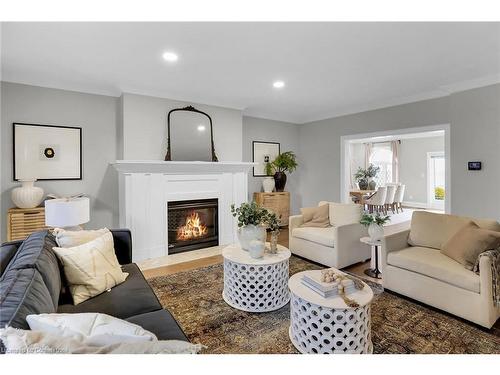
(361, 195)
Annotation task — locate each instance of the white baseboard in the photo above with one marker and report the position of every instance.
(416, 204)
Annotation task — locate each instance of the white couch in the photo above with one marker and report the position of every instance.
(335, 246)
(413, 265)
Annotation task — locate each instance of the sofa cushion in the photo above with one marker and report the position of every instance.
(433, 263)
(343, 213)
(36, 252)
(161, 323)
(7, 252)
(315, 216)
(322, 236)
(430, 229)
(132, 297)
(23, 292)
(72, 238)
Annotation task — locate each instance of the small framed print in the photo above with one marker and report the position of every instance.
(263, 153)
(47, 152)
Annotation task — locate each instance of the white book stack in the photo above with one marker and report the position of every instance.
(327, 290)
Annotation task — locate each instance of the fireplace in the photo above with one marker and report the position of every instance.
(192, 225)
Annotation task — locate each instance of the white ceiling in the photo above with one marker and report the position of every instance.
(329, 68)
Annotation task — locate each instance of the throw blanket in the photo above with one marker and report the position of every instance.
(494, 256)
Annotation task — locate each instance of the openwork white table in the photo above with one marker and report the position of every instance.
(255, 285)
(328, 325)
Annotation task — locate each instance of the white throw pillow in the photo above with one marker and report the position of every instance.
(18, 341)
(91, 328)
(344, 213)
(91, 268)
(71, 238)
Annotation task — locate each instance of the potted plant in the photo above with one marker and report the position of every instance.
(268, 182)
(284, 162)
(371, 173)
(251, 223)
(361, 178)
(375, 224)
(273, 224)
(365, 177)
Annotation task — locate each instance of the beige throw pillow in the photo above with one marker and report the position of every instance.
(470, 241)
(91, 268)
(71, 238)
(315, 216)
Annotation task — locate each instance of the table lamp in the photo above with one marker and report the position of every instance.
(67, 213)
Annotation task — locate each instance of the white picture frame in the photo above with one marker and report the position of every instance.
(262, 153)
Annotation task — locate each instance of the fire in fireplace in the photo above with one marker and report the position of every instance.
(192, 225)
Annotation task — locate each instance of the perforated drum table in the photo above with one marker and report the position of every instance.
(255, 285)
(328, 325)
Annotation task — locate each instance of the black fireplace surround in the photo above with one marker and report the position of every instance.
(192, 224)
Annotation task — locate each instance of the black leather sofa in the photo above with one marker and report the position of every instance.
(32, 282)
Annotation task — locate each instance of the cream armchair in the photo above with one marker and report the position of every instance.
(425, 274)
(335, 246)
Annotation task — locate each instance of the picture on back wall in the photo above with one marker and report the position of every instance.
(263, 153)
(47, 152)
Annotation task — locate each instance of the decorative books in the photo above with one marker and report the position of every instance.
(327, 290)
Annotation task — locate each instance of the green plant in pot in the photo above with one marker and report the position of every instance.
(375, 224)
(371, 173)
(273, 224)
(251, 223)
(284, 162)
(365, 177)
(268, 182)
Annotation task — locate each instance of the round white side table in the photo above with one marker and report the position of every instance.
(328, 325)
(373, 272)
(255, 285)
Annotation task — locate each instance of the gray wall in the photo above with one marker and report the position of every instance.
(474, 118)
(413, 166)
(287, 134)
(144, 129)
(96, 114)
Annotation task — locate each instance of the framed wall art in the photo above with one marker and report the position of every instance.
(46, 152)
(263, 153)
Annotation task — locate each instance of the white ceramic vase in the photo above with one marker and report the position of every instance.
(27, 195)
(268, 184)
(257, 249)
(249, 233)
(376, 232)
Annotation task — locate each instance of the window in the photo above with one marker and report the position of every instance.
(381, 156)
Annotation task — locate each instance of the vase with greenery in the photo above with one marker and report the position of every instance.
(268, 182)
(284, 162)
(273, 224)
(251, 223)
(375, 224)
(365, 177)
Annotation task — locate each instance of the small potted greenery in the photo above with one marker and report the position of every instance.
(284, 162)
(365, 177)
(268, 182)
(273, 224)
(375, 224)
(251, 223)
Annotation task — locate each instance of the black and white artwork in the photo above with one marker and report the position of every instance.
(47, 152)
(263, 153)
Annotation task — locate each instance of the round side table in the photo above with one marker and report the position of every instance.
(328, 325)
(373, 272)
(255, 285)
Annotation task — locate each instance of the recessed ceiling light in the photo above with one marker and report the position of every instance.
(278, 84)
(201, 128)
(170, 56)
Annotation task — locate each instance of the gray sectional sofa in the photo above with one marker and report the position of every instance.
(32, 282)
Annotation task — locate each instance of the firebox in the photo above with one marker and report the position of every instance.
(192, 225)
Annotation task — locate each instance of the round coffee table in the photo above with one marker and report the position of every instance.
(255, 285)
(328, 325)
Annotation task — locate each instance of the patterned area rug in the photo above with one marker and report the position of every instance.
(399, 325)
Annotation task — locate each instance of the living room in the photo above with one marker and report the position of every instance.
(250, 187)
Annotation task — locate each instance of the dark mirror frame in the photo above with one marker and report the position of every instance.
(168, 156)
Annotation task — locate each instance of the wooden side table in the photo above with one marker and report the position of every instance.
(278, 202)
(21, 222)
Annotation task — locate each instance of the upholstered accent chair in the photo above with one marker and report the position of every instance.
(413, 265)
(338, 244)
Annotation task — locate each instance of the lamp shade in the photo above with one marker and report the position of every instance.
(67, 212)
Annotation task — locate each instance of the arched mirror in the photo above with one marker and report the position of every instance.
(190, 136)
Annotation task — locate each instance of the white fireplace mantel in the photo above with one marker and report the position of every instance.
(146, 187)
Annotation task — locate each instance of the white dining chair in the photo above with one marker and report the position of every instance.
(389, 198)
(377, 201)
(398, 197)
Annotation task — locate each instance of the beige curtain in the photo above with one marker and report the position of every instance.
(368, 153)
(352, 183)
(395, 160)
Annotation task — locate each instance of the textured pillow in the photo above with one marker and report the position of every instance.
(315, 216)
(71, 238)
(470, 241)
(91, 268)
(427, 229)
(345, 213)
(91, 328)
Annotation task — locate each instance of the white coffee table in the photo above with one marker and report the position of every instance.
(328, 325)
(255, 285)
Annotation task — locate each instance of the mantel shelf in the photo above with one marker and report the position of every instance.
(180, 167)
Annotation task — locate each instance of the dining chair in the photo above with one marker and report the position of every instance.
(398, 197)
(389, 198)
(377, 201)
